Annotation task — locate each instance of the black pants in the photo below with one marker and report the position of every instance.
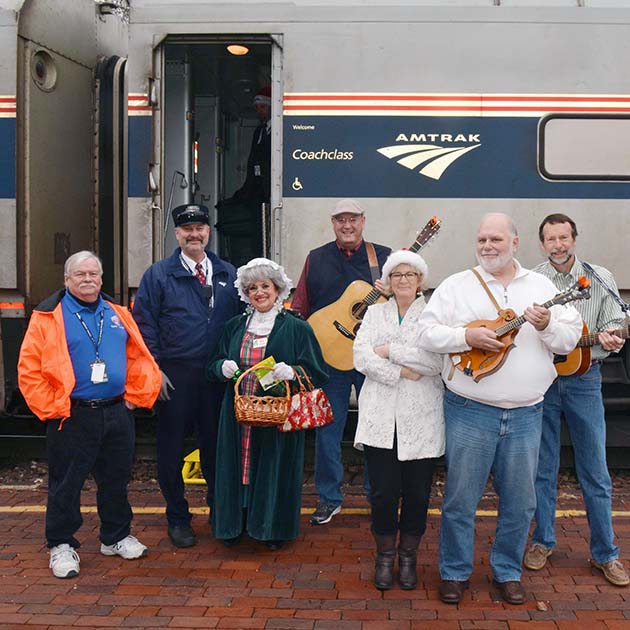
(193, 409)
(92, 441)
(395, 482)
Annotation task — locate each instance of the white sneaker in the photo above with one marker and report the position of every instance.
(64, 561)
(128, 548)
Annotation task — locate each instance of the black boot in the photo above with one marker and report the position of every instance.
(407, 554)
(384, 561)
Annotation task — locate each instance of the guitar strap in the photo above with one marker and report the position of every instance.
(500, 311)
(372, 261)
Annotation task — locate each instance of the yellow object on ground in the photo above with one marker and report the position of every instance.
(191, 470)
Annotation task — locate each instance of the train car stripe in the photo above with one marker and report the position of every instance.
(515, 105)
(7, 106)
(138, 105)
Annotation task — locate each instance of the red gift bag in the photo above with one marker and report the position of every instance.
(309, 407)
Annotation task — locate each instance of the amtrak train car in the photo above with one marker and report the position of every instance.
(415, 107)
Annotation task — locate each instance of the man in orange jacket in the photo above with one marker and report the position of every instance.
(83, 367)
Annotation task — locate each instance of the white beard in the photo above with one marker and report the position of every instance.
(495, 263)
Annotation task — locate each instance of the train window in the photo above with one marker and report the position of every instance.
(44, 71)
(584, 147)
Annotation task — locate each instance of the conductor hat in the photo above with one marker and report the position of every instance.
(189, 213)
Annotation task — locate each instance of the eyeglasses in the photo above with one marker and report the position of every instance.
(410, 275)
(264, 286)
(348, 220)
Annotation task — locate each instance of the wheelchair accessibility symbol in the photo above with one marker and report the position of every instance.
(297, 184)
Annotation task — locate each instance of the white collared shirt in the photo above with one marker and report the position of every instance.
(189, 264)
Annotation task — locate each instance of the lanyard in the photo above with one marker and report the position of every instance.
(204, 265)
(96, 343)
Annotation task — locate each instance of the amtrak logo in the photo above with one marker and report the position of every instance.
(436, 159)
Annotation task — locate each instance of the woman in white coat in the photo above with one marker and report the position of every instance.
(401, 421)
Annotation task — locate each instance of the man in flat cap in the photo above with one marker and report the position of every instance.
(327, 272)
(181, 308)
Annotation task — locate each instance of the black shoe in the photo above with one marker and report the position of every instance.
(274, 545)
(182, 535)
(324, 513)
(231, 542)
(452, 591)
(512, 592)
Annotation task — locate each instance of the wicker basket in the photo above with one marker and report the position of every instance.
(260, 411)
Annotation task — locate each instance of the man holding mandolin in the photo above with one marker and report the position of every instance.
(578, 396)
(493, 399)
(327, 272)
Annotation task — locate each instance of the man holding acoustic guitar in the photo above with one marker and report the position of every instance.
(493, 400)
(327, 272)
(577, 394)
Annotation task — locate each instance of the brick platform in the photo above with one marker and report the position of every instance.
(321, 581)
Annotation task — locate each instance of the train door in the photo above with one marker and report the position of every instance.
(71, 142)
(55, 189)
(208, 122)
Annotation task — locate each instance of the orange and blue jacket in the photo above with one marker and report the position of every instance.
(45, 373)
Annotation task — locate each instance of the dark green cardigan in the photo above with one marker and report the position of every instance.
(277, 459)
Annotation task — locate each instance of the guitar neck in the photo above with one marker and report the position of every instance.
(372, 296)
(519, 321)
(592, 339)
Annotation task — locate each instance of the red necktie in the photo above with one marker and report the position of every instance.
(200, 275)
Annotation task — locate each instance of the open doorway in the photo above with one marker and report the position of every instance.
(211, 129)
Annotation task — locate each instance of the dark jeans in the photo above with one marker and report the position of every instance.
(393, 482)
(92, 441)
(193, 409)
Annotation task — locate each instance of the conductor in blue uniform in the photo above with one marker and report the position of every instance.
(181, 308)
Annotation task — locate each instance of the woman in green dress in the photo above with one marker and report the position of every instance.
(258, 487)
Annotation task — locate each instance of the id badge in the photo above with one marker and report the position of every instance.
(257, 170)
(259, 342)
(99, 374)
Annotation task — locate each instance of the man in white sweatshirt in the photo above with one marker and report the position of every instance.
(493, 423)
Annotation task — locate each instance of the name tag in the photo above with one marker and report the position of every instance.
(99, 374)
(260, 342)
(257, 170)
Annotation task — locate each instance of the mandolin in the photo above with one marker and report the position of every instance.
(480, 363)
(336, 325)
(578, 361)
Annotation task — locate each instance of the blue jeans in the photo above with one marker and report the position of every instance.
(580, 399)
(328, 464)
(480, 439)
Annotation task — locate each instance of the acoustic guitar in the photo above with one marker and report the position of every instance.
(579, 360)
(336, 325)
(480, 363)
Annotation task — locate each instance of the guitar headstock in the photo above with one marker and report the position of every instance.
(427, 233)
(578, 291)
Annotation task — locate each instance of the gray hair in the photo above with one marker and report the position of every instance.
(510, 221)
(78, 258)
(262, 269)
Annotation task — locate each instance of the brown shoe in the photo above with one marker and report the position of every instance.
(613, 571)
(452, 591)
(536, 557)
(512, 592)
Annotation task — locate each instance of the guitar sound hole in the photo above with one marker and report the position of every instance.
(355, 330)
(358, 310)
